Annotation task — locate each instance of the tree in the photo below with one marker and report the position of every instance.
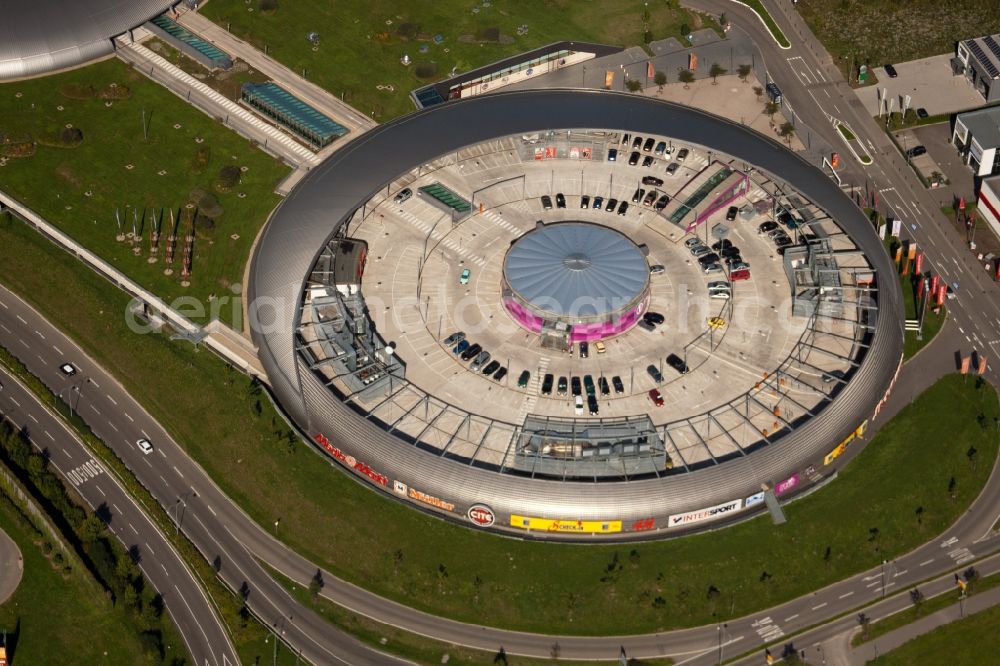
(917, 599)
(973, 455)
(744, 72)
(951, 487)
(786, 131)
(863, 622)
(316, 584)
(229, 177)
(770, 109)
(971, 575)
(660, 79)
(91, 529)
(715, 71)
(685, 29)
(633, 85)
(686, 76)
(268, 5)
(920, 515)
(757, 90)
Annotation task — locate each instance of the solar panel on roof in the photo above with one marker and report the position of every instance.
(994, 47)
(983, 59)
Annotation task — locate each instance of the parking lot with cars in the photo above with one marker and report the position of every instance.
(717, 319)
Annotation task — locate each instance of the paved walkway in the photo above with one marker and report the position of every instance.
(11, 567)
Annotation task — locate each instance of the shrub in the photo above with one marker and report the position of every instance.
(71, 136)
(408, 30)
(206, 203)
(229, 177)
(75, 91)
(201, 158)
(267, 5)
(490, 35)
(426, 70)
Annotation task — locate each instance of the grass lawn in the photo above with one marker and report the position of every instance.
(772, 27)
(79, 188)
(966, 642)
(893, 31)
(54, 618)
(400, 553)
(933, 321)
(362, 41)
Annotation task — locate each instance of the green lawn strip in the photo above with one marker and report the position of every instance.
(397, 642)
(858, 32)
(457, 572)
(64, 618)
(848, 134)
(79, 188)
(772, 27)
(933, 321)
(228, 82)
(971, 641)
(361, 44)
(248, 636)
(928, 606)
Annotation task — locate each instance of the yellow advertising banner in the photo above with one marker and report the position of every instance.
(839, 450)
(557, 525)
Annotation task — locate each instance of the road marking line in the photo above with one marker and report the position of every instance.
(32, 417)
(820, 606)
(133, 529)
(40, 334)
(924, 564)
(58, 351)
(791, 617)
(113, 426)
(117, 510)
(100, 491)
(54, 439)
(844, 596)
(129, 417)
(21, 319)
(178, 471)
(209, 507)
(15, 402)
(899, 573)
(113, 401)
(874, 582)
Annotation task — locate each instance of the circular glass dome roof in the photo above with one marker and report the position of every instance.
(576, 269)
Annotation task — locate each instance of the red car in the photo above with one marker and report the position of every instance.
(742, 274)
(654, 395)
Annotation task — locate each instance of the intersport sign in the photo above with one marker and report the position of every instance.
(681, 519)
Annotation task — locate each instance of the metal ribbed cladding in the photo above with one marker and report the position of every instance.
(308, 217)
(42, 36)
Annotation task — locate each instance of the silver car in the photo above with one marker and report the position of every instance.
(481, 360)
(710, 269)
(700, 250)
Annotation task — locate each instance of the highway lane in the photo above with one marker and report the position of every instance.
(219, 528)
(195, 503)
(196, 618)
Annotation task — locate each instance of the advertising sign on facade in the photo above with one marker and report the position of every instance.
(786, 485)
(399, 488)
(643, 525)
(839, 450)
(557, 525)
(353, 463)
(681, 519)
(481, 515)
(753, 500)
(433, 501)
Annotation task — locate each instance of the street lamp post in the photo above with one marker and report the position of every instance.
(884, 562)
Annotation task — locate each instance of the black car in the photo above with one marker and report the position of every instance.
(654, 318)
(662, 202)
(731, 251)
(652, 180)
(765, 227)
(612, 155)
(734, 260)
(472, 352)
(491, 367)
(611, 205)
(623, 208)
(547, 384)
(648, 146)
(722, 244)
(682, 154)
(636, 143)
(916, 151)
(633, 159)
(891, 71)
(782, 241)
(598, 202)
(648, 161)
(731, 213)
(546, 202)
(646, 325)
(626, 138)
(454, 339)
(592, 405)
(654, 372)
(560, 200)
(576, 386)
(638, 194)
(672, 168)
(922, 113)
(678, 364)
(588, 385)
(602, 383)
(562, 385)
(585, 201)
(710, 258)
(616, 381)
(500, 374)
(584, 350)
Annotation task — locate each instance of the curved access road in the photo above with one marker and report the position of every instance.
(11, 567)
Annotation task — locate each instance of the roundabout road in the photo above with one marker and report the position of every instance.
(11, 567)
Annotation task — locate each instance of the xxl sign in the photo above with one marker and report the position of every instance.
(681, 519)
(351, 462)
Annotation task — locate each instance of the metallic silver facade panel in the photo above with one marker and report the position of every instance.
(41, 36)
(329, 195)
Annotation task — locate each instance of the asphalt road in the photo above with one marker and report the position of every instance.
(206, 638)
(11, 567)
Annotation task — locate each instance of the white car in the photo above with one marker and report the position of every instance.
(144, 445)
(67, 369)
(579, 405)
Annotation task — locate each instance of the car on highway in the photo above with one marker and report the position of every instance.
(560, 200)
(578, 405)
(891, 71)
(650, 198)
(678, 364)
(654, 318)
(633, 159)
(662, 202)
(612, 155)
(584, 349)
(522, 380)
(67, 369)
(916, 151)
(682, 154)
(616, 382)
(144, 445)
(672, 169)
(585, 201)
(731, 213)
(598, 202)
(546, 202)
(592, 405)
(402, 195)
(638, 194)
(464, 277)
(491, 367)
(623, 208)
(767, 227)
(547, 382)
(454, 338)
(563, 384)
(602, 384)
(471, 351)
(500, 374)
(652, 180)
(648, 146)
(480, 360)
(654, 373)
(461, 346)
(575, 386)
(656, 397)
